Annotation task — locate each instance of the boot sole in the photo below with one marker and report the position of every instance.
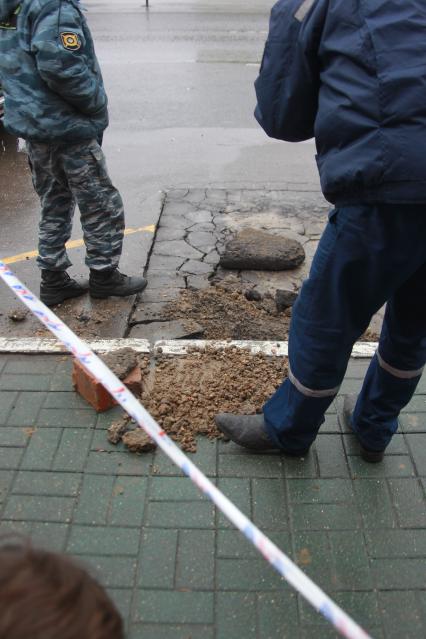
(53, 301)
(103, 296)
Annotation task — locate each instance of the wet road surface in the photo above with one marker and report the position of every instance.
(180, 79)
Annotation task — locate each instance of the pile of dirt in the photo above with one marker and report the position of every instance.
(228, 314)
(185, 393)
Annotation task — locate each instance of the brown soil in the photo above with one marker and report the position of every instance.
(185, 393)
(137, 441)
(227, 314)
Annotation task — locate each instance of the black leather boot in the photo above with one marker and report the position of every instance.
(111, 282)
(58, 286)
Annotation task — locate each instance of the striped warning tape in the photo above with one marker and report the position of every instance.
(305, 586)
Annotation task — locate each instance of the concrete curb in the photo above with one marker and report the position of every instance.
(33, 345)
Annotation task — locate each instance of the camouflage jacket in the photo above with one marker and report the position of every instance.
(51, 78)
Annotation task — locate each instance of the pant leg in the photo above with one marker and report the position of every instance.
(365, 254)
(100, 204)
(397, 367)
(57, 206)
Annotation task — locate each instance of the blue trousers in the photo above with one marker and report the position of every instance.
(367, 255)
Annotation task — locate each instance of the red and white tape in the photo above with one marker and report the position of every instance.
(305, 586)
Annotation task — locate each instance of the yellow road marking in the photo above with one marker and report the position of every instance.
(74, 244)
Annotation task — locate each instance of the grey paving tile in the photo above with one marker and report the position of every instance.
(47, 483)
(351, 562)
(400, 615)
(41, 450)
(195, 560)
(119, 463)
(277, 615)
(73, 449)
(174, 489)
(50, 536)
(236, 615)
(10, 458)
(15, 437)
(325, 517)
(158, 558)
(38, 508)
(26, 409)
(66, 400)
(67, 417)
(374, 503)
(391, 466)
(6, 478)
(238, 490)
(313, 556)
(127, 501)
(195, 514)
(250, 466)
(114, 572)
(231, 544)
(160, 606)
(331, 456)
(31, 364)
(94, 500)
(7, 400)
(409, 501)
(399, 574)
(171, 631)
(398, 543)
(327, 491)
(24, 382)
(269, 504)
(417, 446)
(103, 540)
(247, 575)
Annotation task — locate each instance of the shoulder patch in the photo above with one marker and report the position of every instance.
(11, 23)
(70, 40)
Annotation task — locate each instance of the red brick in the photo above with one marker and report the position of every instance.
(133, 381)
(95, 394)
(90, 389)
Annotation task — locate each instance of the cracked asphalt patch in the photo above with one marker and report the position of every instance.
(187, 282)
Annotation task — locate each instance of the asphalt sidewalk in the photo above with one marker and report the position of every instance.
(173, 564)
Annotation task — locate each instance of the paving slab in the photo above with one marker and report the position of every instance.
(175, 566)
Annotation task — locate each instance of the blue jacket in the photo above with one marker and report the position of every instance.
(352, 74)
(50, 75)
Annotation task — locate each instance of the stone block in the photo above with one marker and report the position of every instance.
(252, 249)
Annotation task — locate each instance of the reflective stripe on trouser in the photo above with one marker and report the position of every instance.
(367, 255)
(66, 174)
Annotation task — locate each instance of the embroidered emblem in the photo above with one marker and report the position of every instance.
(70, 41)
(12, 22)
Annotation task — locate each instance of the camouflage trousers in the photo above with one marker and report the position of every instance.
(64, 175)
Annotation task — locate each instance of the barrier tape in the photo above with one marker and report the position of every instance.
(344, 624)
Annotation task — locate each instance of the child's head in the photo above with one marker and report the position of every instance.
(44, 595)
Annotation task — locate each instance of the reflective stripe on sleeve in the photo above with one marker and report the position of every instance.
(303, 10)
(309, 392)
(396, 372)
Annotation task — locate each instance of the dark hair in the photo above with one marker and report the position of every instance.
(44, 595)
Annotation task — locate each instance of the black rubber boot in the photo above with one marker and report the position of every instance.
(111, 282)
(58, 286)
